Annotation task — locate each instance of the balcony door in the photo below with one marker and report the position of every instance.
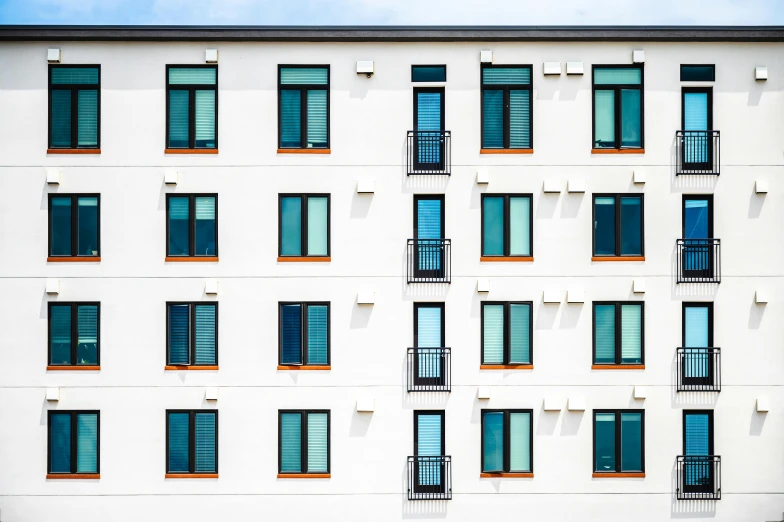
(699, 472)
(698, 253)
(429, 340)
(429, 467)
(429, 128)
(697, 120)
(698, 366)
(428, 236)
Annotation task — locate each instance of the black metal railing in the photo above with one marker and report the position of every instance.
(430, 478)
(429, 261)
(699, 261)
(698, 477)
(429, 369)
(697, 152)
(699, 369)
(428, 152)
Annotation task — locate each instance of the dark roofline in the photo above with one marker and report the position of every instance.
(391, 33)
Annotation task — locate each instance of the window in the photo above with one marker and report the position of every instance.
(618, 225)
(303, 106)
(74, 442)
(507, 225)
(698, 73)
(304, 225)
(506, 107)
(74, 332)
(619, 441)
(506, 333)
(74, 225)
(428, 73)
(192, 106)
(191, 442)
(304, 334)
(192, 225)
(303, 446)
(192, 338)
(507, 441)
(74, 106)
(618, 333)
(617, 106)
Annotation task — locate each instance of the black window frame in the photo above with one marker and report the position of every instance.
(414, 66)
(507, 333)
(618, 439)
(74, 88)
(304, 223)
(191, 331)
(711, 429)
(697, 304)
(423, 304)
(618, 114)
(711, 65)
(74, 441)
(618, 333)
(304, 332)
(506, 87)
(698, 197)
(618, 226)
(304, 442)
(191, 223)
(702, 89)
(442, 414)
(192, 441)
(507, 223)
(74, 224)
(507, 439)
(303, 105)
(74, 305)
(191, 88)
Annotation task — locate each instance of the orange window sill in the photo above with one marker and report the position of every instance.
(73, 151)
(304, 475)
(191, 475)
(294, 367)
(193, 259)
(191, 368)
(190, 151)
(505, 259)
(506, 151)
(72, 368)
(74, 259)
(506, 366)
(618, 475)
(506, 475)
(617, 367)
(617, 151)
(304, 151)
(82, 476)
(286, 259)
(618, 258)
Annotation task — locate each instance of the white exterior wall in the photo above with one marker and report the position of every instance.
(369, 118)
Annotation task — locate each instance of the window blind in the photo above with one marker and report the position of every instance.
(604, 332)
(60, 444)
(61, 118)
(304, 76)
(429, 435)
(193, 75)
(429, 227)
(87, 332)
(631, 115)
(74, 75)
(617, 76)
(87, 118)
(87, 233)
(605, 441)
(290, 334)
(317, 118)
(493, 116)
(493, 334)
(317, 443)
(520, 442)
(519, 119)
(604, 118)
(205, 334)
(493, 240)
(520, 226)
(290, 119)
(428, 119)
(429, 335)
(697, 434)
(205, 118)
(61, 334)
(87, 443)
(631, 334)
(318, 334)
(506, 75)
(291, 226)
(179, 337)
(317, 226)
(179, 118)
(61, 226)
(205, 443)
(520, 333)
(290, 442)
(493, 434)
(179, 446)
(695, 118)
(631, 442)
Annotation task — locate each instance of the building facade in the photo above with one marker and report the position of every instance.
(442, 273)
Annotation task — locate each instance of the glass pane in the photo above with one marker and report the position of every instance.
(318, 334)
(205, 119)
(61, 334)
(61, 226)
(61, 118)
(493, 119)
(205, 233)
(697, 73)
(87, 233)
(291, 226)
(74, 75)
(493, 240)
(87, 443)
(631, 116)
(290, 119)
(317, 443)
(631, 442)
(519, 226)
(290, 442)
(506, 75)
(205, 443)
(60, 443)
(179, 334)
(87, 119)
(604, 226)
(631, 226)
(428, 226)
(695, 219)
(290, 334)
(179, 449)
(206, 341)
(695, 118)
(631, 334)
(87, 331)
(427, 73)
(304, 76)
(493, 442)
(697, 434)
(605, 441)
(179, 236)
(317, 226)
(520, 119)
(696, 326)
(428, 435)
(520, 333)
(317, 118)
(520, 442)
(429, 334)
(604, 119)
(179, 117)
(493, 334)
(617, 76)
(604, 332)
(193, 76)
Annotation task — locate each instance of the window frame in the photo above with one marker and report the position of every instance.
(698, 197)
(617, 99)
(191, 88)
(697, 304)
(304, 332)
(711, 429)
(304, 224)
(441, 305)
(414, 66)
(507, 439)
(191, 331)
(74, 224)
(304, 442)
(303, 105)
(442, 414)
(618, 333)
(711, 65)
(507, 222)
(618, 440)
(507, 332)
(74, 88)
(708, 90)
(74, 306)
(191, 223)
(618, 228)
(192, 441)
(506, 87)
(74, 442)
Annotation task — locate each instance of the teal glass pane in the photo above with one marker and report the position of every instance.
(493, 119)
(205, 233)
(179, 334)
(205, 440)
(179, 233)
(520, 119)
(61, 226)
(520, 442)
(61, 118)
(493, 225)
(428, 146)
(506, 75)
(87, 222)
(695, 118)
(605, 442)
(205, 119)
(604, 333)
(697, 434)
(695, 219)
(493, 441)
(604, 226)
(74, 75)
(428, 225)
(631, 226)
(87, 118)
(631, 442)
(291, 226)
(318, 334)
(520, 226)
(179, 118)
(206, 340)
(317, 226)
(193, 75)
(429, 445)
(631, 118)
(696, 330)
(60, 324)
(290, 119)
(317, 119)
(179, 446)
(698, 73)
(290, 442)
(428, 73)
(317, 443)
(631, 334)
(60, 443)
(493, 334)
(429, 334)
(87, 443)
(617, 76)
(604, 119)
(87, 334)
(290, 334)
(304, 76)
(520, 333)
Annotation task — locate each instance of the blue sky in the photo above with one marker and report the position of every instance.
(385, 12)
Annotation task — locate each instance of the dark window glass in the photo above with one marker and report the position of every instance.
(74, 106)
(192, 334)
(507, 225)
(192, 225)
(698, 73)
(618, 441)
(303, 441)
(618, 225)
(74, 438)
(304, 333)
(74, 225)
(303, 107)
(507, 441)
(192, 106)
(304, 225)
(191, 441)
(428, 73)
(618, 333)
(506, 107)
(74, 334)
(617, 107)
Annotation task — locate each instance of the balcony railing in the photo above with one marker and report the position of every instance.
(429, 369)
(698, 477)
(430, 478)
(429, 261)
(699, 261)
(429, 152)
(697, 152)
(699, 369)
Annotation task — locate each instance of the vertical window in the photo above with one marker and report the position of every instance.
(191, 106)
(506, 107)
(304, 334)
(74, 225)
(74, 106)
(618, 225)
(74, 442)
(304, 225)
(303, 107)
(506, 333)
(303, 446)
(192, 334)
(619, 441)
(191, 442)
(617, 107)
(74, 334)
(507, 441)
(192, 225)
(507, 225)
(618, 333)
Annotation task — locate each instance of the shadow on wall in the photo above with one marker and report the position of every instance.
(546, 203)
(545, 425)
(755, 203)
(757, 422)
(570, 424)
(360, 315)
(546, 314)
(360, 205)
(570, 207)
(360, 423)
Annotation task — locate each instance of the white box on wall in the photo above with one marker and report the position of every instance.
(638, 176)
(552, 68)
(638, 286)
(552, 404)
(483, 285)
(53, 55)
(760, 73)
(211, 393)
(763, 405)
(551, 186)
(640, 392)
(761, 296)
(170, 177)
(575, 185)
(552, 296)
(576, 404)
(211, 56)
(486, 56)
(211, 287)
(53, 394)
(638, 56)
(483, 392)
(366, 67)
(575, 295)
(761, 186)
(366, 297)
(366, 404)
(52, 177)
(482, 177)
(366, 186)
(52, 286)
(574, 68)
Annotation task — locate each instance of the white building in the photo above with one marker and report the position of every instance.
(630, 364)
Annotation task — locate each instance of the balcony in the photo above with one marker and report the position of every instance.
(699, 369)
(429, 369)
(429, 261)
(697, 152)
(430, 478)
(698, 260)
(698, 477)
(428, 152)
